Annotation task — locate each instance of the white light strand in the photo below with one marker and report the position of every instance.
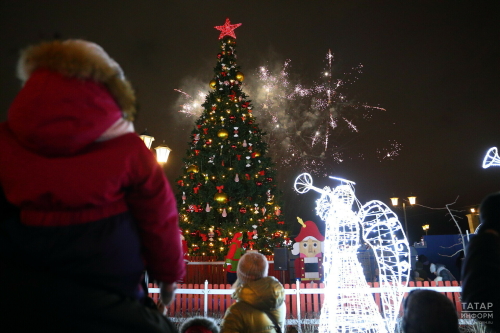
(349, 306)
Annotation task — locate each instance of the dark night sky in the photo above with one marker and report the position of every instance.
(434, 65)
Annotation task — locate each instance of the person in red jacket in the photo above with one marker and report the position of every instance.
(233, 257)
(95, 208)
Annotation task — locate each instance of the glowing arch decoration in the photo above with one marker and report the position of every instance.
(491, 158)
(349, 305)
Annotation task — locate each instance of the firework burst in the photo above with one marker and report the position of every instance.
(309, 127)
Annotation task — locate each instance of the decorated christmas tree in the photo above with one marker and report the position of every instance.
(228, 184)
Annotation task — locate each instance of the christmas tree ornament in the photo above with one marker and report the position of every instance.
(236, 178)
(207, 208)
(183, 197)
(244, 144)
(220, 197)
(235, 132)
(223, 134)
(224, 213)
(277, 211)
(211, 234)
(256, 154)
(213, 84)
(192, 169)
(263, 210)
(255, 236)
(239, 76)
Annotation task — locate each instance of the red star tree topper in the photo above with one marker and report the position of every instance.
(227, 29)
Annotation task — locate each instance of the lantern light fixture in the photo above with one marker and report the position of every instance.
(147, 138)
(162, 153)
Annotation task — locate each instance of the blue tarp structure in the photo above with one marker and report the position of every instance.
(439, 248)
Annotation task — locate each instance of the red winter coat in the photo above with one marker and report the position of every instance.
(95, 211)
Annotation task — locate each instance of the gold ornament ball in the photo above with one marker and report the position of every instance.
(220, 197)
(270, 203)
(223, 134)
(240, 77)
(193, 168)
(213, 84)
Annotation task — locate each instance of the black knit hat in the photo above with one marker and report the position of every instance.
(199, 324)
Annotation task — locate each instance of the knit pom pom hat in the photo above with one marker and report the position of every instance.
(251, 267)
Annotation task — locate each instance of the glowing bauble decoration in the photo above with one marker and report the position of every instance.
(220, 197)
(193, 169)
(349, 306)
(240, 77)
(213, 84)
(256, 154)
(227, 29)
(243, 210)
(223, 134)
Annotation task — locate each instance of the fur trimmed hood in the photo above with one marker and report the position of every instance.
(73, 95)
(76, 58)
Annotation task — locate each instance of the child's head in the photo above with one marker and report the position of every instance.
(251, 267)
(427, 311)
(199, 325)
(489, 213)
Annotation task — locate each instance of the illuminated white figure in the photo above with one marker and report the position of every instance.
(491, 158)
(349, 305)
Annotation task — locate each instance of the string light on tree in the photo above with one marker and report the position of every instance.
(349, 306)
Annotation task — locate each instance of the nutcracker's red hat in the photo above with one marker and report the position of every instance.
(310, 230)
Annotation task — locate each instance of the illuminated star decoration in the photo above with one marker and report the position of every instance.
(227, 29)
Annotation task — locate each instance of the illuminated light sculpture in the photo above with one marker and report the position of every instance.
(491, 158)
(349, 305)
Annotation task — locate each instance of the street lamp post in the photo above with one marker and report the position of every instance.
(162, 151)
(426, 228)
(412, 200)
(147, 138)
